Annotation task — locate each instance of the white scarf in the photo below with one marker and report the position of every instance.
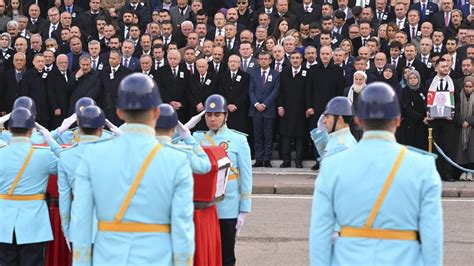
(448, 84)
(356, 89)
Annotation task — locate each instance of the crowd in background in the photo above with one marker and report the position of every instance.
(277, 62)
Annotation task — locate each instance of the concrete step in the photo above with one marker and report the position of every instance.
(276, 170)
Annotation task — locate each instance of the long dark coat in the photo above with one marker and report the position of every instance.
(414, 111)
(291, 97)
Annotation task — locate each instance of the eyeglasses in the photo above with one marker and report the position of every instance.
(241, 3)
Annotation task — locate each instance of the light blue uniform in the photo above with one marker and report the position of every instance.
(2, 143)
(198, 158)
(69, 159)
(238, 192)
(346, 190)
(73, 135)
(36, 137)
(29, 219)
(164, 196)
(329, 144)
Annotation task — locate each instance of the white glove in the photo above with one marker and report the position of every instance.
(194, 120)
(4, 118)
(117, 132)
(183, 131)
(321, 124)
(67, 243)
(67, 123)
(240, 222)
(44, 132)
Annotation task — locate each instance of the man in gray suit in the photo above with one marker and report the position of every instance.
(180, 12)
(248, 62)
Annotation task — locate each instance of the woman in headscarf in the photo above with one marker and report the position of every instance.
(465, 120)
(415, 119)
(389, 76)
(352, 92)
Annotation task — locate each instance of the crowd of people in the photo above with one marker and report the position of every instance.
(277, 63)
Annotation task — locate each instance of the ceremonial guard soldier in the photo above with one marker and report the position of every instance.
(388, 204)
(165, 129)
(28, 103)
(144, 204)
(333, 134)
(65, 136)
(237, 200)
(91, 121)
(25, 226)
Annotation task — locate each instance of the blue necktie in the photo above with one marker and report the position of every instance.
(423, 11)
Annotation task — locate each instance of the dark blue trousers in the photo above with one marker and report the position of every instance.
(263, 134)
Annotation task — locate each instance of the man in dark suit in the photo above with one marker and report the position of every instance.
(217, 65)
(282, 7)
(412, 62)
(442, 19)
(110, 79)
(146, 66)
(73, 9)
(75, 44)
(413, 29)
(58, 96)
(52, 29)
(35, 22)
(203, 84)
(159, 59)
(173, 82)
(307, 11)
(426, 9)
(234, 86)
(268, 9)
(13, 81)
(280, 61)
(34, 86)
(263, 92)
(87, 20)
(248, 62)
(325, 82)
(138, 8)
(293, 121)
(365, 30)
(84, 82)
(383, 13)
(128, 61)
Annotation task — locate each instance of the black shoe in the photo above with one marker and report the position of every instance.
(315, 167)
(299, 165)
(258, 163)
(285, 164)
(267, 164)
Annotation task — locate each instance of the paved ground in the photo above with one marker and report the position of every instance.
(276, 233)
(301, 181)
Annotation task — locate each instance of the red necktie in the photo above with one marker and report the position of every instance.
(191, 69)
(446, 19)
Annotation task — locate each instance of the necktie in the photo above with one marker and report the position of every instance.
(229, 43)
(113, 70)
(125, 63)
(233, 75)
(166, 40)
(18, 76)
(425, 60)
(174, 72)
(295, 73)
(423, 11)
(413, 33)
(364, 42)
(216, 68)
(53, 27)
(156, 64)
(127, 35)
(268, 11)
(69, 9)
(440, 111)
(219, 32)
(94, 64)
(446, 19)
(441, 87)
(409, 65)
(65, 75)
(191, 69)
(202, 80)
(263, 78)
(379, 17)
(394, 62)
(277, 67)
(182, 12)
(245, 65)
(306, 9)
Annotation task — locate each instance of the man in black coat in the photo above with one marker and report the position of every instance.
(110, 79)
(34, 86)
(138, 8)
(84, 82)
(217, 65)
(173, 82)
(12, 82)
(307, 11)
(87, 20)
(234, 86)
(325, 82)
(58, 96)
(291, 110)
(48, 29)
(203, 84)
